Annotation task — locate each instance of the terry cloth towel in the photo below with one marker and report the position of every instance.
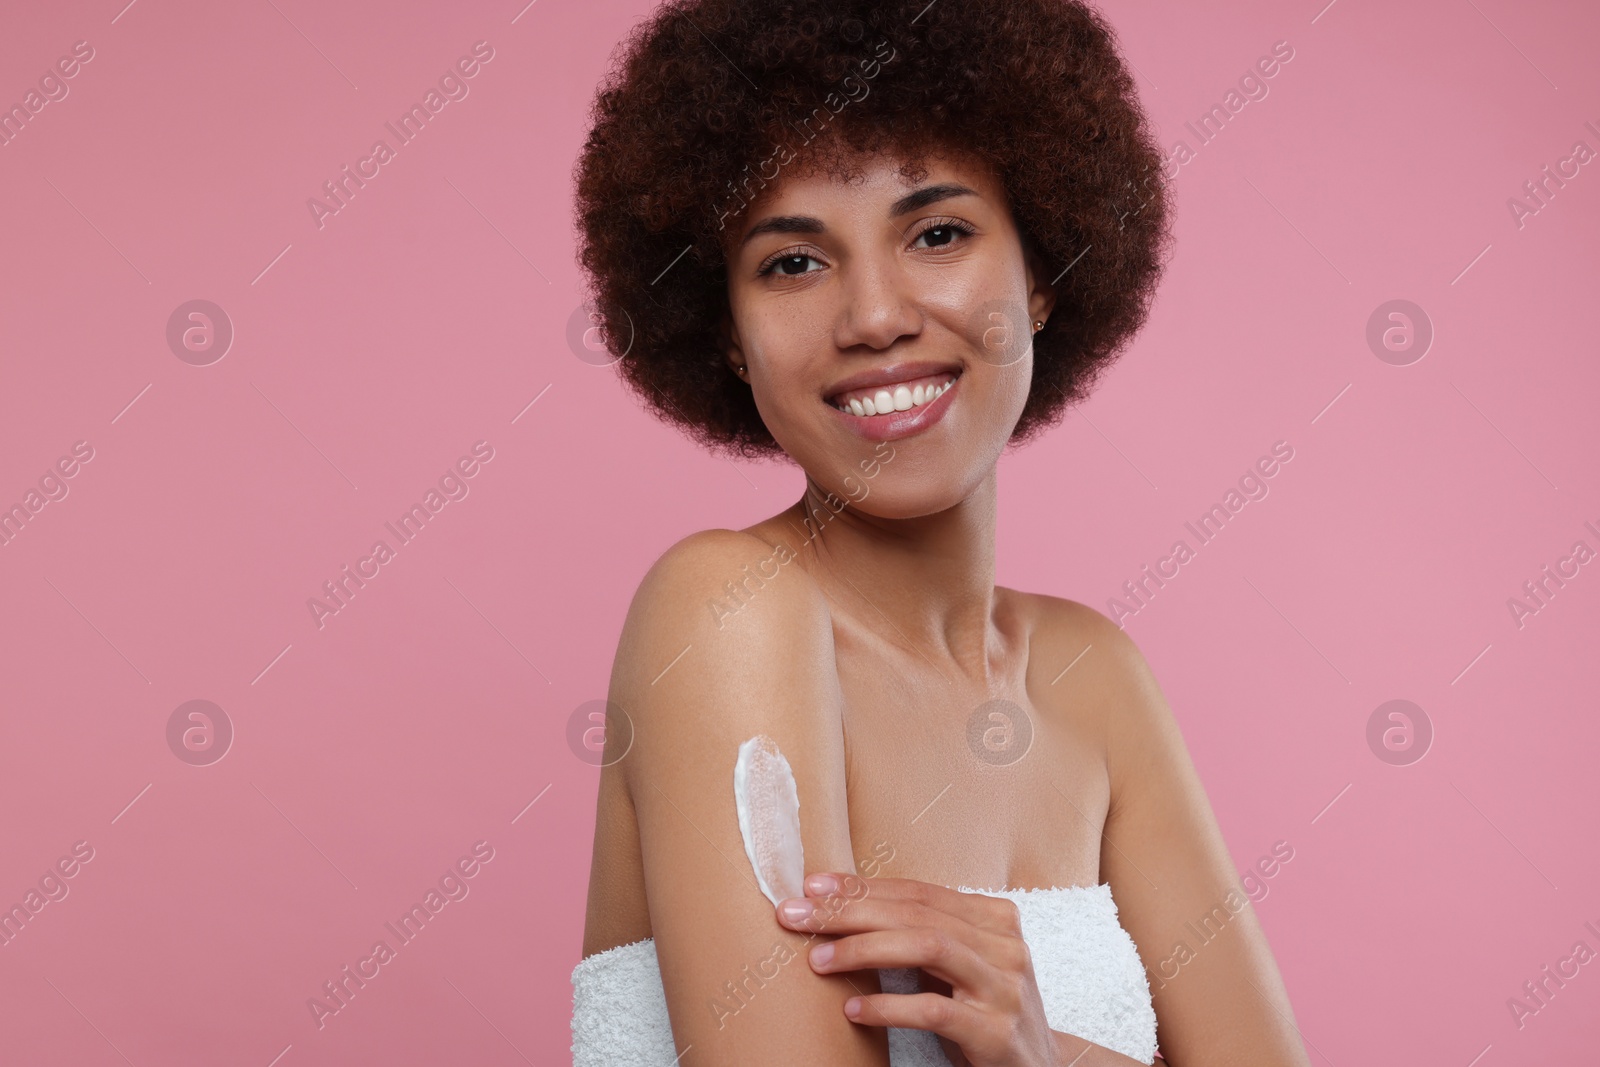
(1087, 968)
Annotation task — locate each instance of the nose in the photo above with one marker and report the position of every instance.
(879, 305)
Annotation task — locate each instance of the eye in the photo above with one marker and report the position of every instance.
(780, 263)
(944, 232)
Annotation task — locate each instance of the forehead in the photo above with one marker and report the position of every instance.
(845, 181)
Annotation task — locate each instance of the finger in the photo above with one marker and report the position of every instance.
(999, 939)
(933, 950)
(841, 914)
(948, 1018)
(979, 909)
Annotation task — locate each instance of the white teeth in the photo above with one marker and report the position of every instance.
(900, 398)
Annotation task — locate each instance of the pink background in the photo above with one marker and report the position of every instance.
(427, 315)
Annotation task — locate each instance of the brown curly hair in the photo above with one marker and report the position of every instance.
(686, 123)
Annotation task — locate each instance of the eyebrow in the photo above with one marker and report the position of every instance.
(914, 201)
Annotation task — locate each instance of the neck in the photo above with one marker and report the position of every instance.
(924, 584)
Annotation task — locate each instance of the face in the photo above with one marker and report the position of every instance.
(914, 301)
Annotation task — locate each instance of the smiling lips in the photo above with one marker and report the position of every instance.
(886, 399)
(888, 412)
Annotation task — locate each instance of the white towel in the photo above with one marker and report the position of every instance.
(1086, 966)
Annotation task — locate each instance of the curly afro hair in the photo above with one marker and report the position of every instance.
(708, 95)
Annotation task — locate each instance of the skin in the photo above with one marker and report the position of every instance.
(862, 637)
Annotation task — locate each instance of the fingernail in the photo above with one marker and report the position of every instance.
(822, 883)
(796, 910)
(852, 1007)
(822, 954)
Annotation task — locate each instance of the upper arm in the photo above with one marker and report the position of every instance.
(697, 681)
(1220, 1001)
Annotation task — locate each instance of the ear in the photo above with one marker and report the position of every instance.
(1041, 293)
(732, 350)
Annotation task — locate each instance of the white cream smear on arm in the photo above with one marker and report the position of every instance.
(769, 818)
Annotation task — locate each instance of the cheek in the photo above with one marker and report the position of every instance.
(784, 354)
(780, 413)
(1019, 382)
(1004, 394)
(788, 405)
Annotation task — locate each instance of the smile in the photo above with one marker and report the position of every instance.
(889, 412)
(887, 399)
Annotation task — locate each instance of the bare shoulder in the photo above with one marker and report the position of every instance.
(1071, 640)
(1091, 669)
(705, 556)
(730, 591)
(1058, 618)
(708, 562)
(716, 623)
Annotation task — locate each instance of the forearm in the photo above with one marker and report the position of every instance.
(1072, 1051)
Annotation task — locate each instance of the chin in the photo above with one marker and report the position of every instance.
(912, 485)
(908, 503)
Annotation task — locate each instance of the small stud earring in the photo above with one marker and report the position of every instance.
(1038, 325)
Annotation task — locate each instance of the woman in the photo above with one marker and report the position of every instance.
(885, 241)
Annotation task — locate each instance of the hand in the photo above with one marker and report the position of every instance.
(970, 942)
